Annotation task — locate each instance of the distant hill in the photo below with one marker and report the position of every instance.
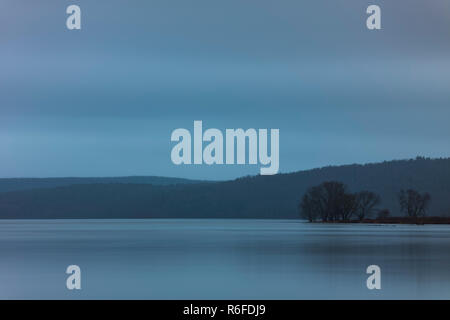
(248, 197)
(16, 184)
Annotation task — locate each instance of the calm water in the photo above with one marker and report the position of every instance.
(221, 259)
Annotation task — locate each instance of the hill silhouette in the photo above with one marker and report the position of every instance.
(248, 197)
(16, 184)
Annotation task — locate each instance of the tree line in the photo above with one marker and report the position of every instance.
(331, 201)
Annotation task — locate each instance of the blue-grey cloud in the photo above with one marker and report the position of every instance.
(104, 100)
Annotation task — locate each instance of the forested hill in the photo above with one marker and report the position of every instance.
(15, 184)
(249, 197)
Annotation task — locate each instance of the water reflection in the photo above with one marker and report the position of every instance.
(222, 259)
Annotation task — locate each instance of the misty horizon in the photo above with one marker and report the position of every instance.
(231, 179)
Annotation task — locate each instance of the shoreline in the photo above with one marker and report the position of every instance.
(395, 220)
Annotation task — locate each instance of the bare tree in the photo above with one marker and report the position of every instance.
(366, 202)
(307, 209)
(313, 204)
(333, 193)
(348, 206)
(328, 201)
(414, 204)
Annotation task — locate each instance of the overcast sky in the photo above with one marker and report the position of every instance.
(104, 100)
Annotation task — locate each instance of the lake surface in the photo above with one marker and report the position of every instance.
(221, 259)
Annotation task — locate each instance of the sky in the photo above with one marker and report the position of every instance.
(104, 100)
